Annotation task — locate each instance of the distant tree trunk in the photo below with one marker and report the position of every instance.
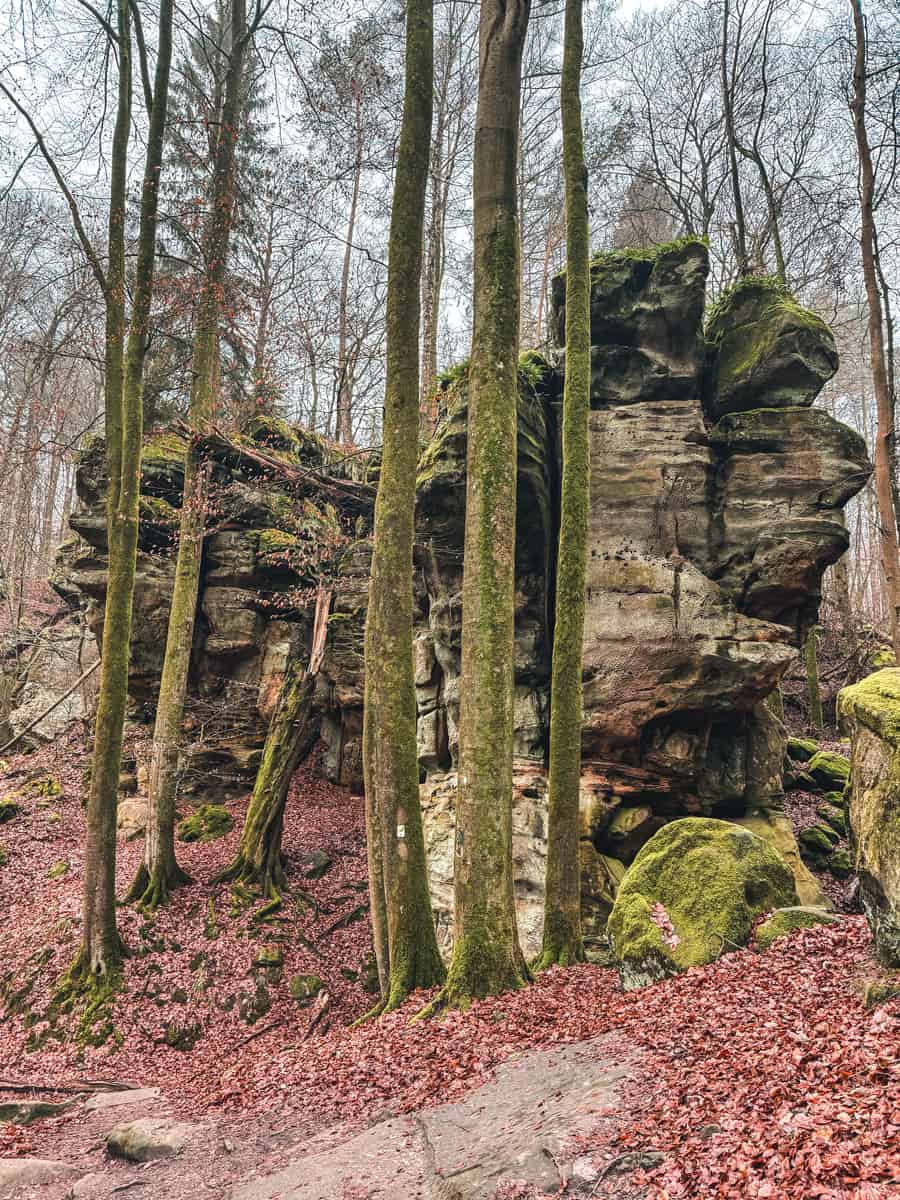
(562, 905)
(487, 957)
(100, 954)
(391, 760)
(739, 228)
(343, 430)
(258, 862)
(160, 872)
(890, 551)
(813, 692)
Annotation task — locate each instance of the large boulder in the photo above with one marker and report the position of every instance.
(691, 895)
(768, 345)
(870, 713)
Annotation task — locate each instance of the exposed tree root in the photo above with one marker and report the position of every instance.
(152, 889)
(563, 954)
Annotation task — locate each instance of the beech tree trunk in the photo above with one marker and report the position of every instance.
(562, 905)
(487, 957)
(291, 735)
(100, 954)
(343, 422)
(390, 755)
(890, 551)
(159, 871)
(813, 691)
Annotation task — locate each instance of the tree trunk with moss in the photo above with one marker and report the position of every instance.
(562, 941)
(884, 437)
(159, 871)
(394, 815)
(101, 950)
(487, 957)
(292, 733)
(813, 691)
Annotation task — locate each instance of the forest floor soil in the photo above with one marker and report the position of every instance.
(761, 1076)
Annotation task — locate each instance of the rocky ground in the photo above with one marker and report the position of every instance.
(762, 1075)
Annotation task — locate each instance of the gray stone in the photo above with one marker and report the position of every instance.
(101, 1101)
(33, 1172)
(147, 1139)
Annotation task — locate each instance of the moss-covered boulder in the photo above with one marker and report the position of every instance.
(767, 345)
(786, 920)
(840, 864)
(801, 749)
(829, 771)
(205, 824)
(305, 988)
(869, 712)
(816, 844)
(775, 828)
(692, 894)
(833, 817)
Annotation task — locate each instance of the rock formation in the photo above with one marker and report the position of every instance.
(870, 712)
(716, 504)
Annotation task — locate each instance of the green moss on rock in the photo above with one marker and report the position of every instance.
(817, 841)
(829, 771)
(205, 824)
(58, 870)
(875, 703)
(834, 817)
(693, 893)
(785, 920)
(801, 749)
(166, 447)
(305, 988)
(840, 864)
(44, 785)
(9, 808)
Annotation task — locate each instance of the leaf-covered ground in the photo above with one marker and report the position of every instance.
(759, 1076)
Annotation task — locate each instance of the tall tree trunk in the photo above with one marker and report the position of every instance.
(159, 871)
(739, 228)
(890, 552)
(100, 954)
(562, 906)
(291, 734)
(391, 762)
(343, 425)
(813, 691)
(487, 957)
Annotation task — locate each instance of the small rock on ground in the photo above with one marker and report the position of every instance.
(147, 1139)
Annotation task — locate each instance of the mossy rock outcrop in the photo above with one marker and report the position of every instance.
(768, 345)
(205, 824)
(785, 920)
(692, 894)
(869, 712)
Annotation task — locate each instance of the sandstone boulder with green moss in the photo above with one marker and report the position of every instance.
(869, 712)
(768, 346)
(693, 894)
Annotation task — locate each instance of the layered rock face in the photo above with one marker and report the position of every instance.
(870, 712)
(716, 505)
(279, 508)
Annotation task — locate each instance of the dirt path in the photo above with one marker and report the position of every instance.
(517, 1127)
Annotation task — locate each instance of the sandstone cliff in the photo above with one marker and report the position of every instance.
(716, 504)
